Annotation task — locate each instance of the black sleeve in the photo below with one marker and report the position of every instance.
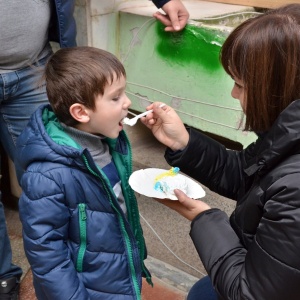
(160, 3)
(210, 163)
(269, 268)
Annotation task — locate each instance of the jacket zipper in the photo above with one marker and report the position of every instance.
(82, 229)
(147, 274)
(127, 239)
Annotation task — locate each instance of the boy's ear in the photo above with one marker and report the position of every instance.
(79, 113)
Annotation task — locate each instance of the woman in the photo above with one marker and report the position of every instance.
(256, 253)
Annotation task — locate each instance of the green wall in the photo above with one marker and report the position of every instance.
(183, 70)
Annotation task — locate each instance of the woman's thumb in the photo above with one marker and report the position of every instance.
(182, 197)
(158, 109)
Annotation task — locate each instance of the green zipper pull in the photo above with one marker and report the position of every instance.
(82, 211)
(82, 230)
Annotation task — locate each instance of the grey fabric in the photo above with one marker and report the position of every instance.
(23, 33)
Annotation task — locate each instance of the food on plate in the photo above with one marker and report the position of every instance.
(170, 180)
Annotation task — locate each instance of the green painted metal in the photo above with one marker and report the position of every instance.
(193, 45)
(183, 70)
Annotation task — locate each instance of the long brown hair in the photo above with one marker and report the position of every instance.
(79, 75)
(264, 53)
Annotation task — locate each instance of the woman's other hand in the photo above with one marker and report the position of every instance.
(187, 207)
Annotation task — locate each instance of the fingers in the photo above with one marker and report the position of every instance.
(160, 111)
(167, 126)
(174, 21)
(170, 21)
(149, 120)
(156, 107)
(187, 207)
(184, 199)
(146, 122)
(165, 201)
(192, 207)
(164, 19)
(176, 15)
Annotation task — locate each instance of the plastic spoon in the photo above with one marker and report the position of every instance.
(132, 122)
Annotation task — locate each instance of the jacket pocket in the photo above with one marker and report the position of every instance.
(82, 230)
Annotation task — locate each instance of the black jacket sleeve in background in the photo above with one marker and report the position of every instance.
(160, 3)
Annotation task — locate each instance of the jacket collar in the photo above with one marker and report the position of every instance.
(44, 139)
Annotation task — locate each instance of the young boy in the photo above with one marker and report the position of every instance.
(81, 228)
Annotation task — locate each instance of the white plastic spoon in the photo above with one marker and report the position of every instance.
(132, 122)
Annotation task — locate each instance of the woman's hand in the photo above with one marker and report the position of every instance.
(166, 126)
(176, 15)
(187, 207)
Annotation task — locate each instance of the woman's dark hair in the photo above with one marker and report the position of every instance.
(264, 53)
(79, 75)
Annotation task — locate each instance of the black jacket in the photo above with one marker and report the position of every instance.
(160, 3)
(255, 254)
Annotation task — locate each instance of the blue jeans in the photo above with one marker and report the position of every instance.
(202, 290)
(7, 269)
(20, 96)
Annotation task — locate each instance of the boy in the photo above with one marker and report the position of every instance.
(81, 229)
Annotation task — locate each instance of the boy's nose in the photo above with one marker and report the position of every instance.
(128, 102)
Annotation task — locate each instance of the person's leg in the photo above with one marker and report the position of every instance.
(22, 92)
(20, 96)
(10, 274)
(202, 290)
(7, 269)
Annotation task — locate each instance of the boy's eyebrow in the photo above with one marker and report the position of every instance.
(117, 90)
(122, 88)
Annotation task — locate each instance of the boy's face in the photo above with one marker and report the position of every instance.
(110, 109)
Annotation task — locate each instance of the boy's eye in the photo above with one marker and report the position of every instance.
(116, 98)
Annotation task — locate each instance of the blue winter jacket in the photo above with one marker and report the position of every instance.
(62, 27)
(76, 237)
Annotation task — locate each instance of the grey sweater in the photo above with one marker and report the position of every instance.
(23, 33)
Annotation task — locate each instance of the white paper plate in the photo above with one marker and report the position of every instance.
(142, 181)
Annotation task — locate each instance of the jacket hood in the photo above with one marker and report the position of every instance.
(282, 140)
(43, 139)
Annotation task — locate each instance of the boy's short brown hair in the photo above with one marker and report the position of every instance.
(264, 53)
(79, 75)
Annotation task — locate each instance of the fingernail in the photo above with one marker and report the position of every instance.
(177, 27)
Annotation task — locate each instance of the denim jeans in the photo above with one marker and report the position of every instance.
(20, 96)
(202, 290)
(7, 269)
(21, 93)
